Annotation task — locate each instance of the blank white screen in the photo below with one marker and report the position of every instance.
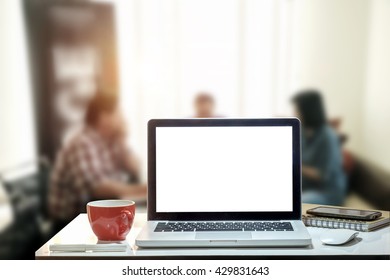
(223, 169)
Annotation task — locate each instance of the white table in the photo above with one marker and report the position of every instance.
(375, 244)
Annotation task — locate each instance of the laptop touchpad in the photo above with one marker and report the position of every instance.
(223, 235)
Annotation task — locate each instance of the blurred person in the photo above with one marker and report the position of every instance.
(204, 104)
(323, 178)
(95, 164)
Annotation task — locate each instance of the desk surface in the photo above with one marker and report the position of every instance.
(79, 232)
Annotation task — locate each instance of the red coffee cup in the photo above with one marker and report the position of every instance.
(111, 220)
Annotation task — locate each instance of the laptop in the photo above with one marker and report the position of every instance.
(224, 183)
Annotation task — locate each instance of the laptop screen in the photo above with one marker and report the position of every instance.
(224, 169)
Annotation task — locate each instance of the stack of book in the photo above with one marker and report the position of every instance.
(359, 225)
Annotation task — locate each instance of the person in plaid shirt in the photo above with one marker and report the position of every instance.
(95, 164)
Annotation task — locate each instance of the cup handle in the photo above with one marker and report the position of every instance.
(129, 216)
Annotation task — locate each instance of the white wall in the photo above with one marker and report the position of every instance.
(376, 124)
(342, 48)
(17, 140)
(329, 53)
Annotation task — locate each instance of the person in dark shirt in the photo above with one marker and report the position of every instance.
(323, 177)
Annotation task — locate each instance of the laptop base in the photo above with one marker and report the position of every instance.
(148, 238)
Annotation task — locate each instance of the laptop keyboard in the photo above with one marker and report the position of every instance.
(223, 226)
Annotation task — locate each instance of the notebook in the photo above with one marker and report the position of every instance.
(88, 247)
(326, 222)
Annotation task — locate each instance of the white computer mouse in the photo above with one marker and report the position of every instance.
(338, 236)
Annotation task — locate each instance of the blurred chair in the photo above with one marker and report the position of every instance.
(368, 185)
(27, 195)
(371, 183)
